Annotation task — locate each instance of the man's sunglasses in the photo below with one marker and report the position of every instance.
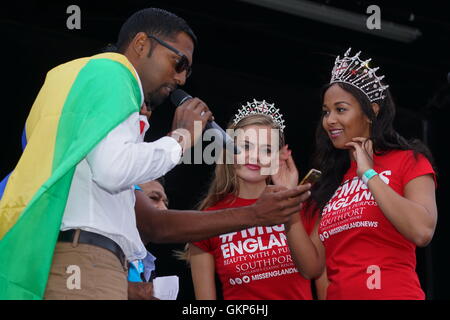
(183, 62)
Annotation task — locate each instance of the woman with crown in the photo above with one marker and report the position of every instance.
(254, 263)
(376, 195)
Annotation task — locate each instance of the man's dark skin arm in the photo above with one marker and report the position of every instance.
(274, 207)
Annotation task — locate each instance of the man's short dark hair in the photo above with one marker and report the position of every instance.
(154, 21)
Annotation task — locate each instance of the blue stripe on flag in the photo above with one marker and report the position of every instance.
(3, 185)
(24, 139)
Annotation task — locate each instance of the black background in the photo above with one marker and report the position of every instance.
(245, 52)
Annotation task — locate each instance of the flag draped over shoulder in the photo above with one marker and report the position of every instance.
(79, 104)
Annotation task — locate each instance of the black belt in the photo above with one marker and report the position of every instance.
(94, 239)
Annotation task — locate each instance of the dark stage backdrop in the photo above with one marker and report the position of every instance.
(245, 52)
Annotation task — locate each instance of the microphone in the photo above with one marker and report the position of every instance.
(448, 77)
(178, 97)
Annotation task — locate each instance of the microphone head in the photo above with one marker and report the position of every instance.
(179, 96)
(448, 77)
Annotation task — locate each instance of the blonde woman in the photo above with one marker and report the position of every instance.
(254, 263)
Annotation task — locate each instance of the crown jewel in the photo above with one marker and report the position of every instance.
(356, 72)
(260, 107)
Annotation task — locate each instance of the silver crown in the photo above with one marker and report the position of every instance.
(260, 107)
(356, 72)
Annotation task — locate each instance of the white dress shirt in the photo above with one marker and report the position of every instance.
(101, 197)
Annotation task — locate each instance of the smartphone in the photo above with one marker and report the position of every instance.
(312, 176)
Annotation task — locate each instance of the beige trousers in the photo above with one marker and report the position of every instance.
(86, 272)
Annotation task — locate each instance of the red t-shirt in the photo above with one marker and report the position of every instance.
(256, 264)
(366, 257)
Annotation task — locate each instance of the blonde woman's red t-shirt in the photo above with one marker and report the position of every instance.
(366, 257)
(255, 263)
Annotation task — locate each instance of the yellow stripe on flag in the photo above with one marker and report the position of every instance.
(41, 130)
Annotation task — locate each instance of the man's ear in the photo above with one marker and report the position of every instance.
(140, 45)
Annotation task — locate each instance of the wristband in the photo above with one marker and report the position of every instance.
(369, 174)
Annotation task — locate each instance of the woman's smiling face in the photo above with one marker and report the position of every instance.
(343, 118)
(255, 143)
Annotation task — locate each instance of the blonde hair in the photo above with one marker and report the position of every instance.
(224, 181)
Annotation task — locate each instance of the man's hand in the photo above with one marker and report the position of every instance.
(186, 115)
(140, 291)
(277, 204)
